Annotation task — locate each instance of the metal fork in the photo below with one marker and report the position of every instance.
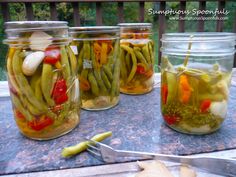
(220, 166)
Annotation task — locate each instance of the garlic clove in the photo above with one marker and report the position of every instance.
(39, 40)
(31, 62)
(219, 108)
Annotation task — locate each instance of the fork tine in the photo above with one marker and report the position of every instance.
(93, 147)
(94, 153)
(93, 142)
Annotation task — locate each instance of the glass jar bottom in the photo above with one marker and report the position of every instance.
(100, 103)
(135, 91)
(197, 131)
(67, 126)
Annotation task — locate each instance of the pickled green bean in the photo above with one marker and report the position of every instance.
(150, 48)
(134, 61)
(38, 90)
(106, 80)
(93, 84)
(18, 105)
(65, 63)
(115, 82)
(80, 60)
(73, 62)
(108, 72)
(35, 78)
(97, 74)
(23, 83)
(46, 83)
(11, 78)
(100, 82)
(146, 54)
(123, 71)
(87, 51)
(140, 56)
(76, 149)
(128, 61)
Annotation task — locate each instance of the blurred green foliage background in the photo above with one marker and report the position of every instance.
(110, 17)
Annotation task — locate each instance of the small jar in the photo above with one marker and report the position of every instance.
(137, 58)
(97, 49)
(196, 71)
(41, 70)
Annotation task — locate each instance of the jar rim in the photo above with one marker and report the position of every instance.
(94, 29)
(198, 37)
(34, 25)
(200, 43)
(148, 25)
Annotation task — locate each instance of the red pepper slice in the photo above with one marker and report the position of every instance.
(61, 99)
(170, 120)
(19, 115)
(140, 68)
(59, 88)
(59, 91)
(164, 90)
(41, 123)
(205, 105)
(52, 55)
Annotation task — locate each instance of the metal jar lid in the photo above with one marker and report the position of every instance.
(202, 43)
(24, 26)
(94, 32)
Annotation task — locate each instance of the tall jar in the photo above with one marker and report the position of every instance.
(196, 71)
(137, 58)
(41, 70)
(97, 50)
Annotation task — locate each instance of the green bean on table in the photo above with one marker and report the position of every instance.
(76, 149)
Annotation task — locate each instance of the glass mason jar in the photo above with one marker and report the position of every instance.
(97, 50)
(196, 71)
(137, 58)
(41, 70)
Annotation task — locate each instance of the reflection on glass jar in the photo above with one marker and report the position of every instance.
(196, 74)
(137, 58)
(41, 70)
(97, 50)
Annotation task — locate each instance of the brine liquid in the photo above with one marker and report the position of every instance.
(194, 100)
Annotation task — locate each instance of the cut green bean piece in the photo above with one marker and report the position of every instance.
(76, 149)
